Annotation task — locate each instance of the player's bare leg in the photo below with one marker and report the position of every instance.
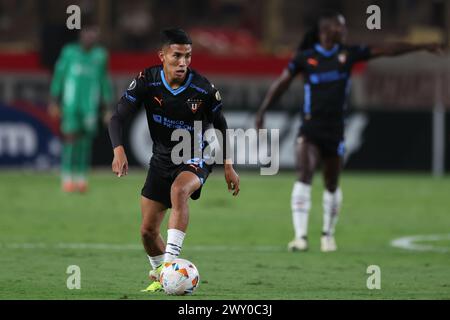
(83, 155)
(307, 159)
(152, 216)
(332, 201)
(182, 188)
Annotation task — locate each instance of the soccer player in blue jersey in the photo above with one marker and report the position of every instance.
(174, 97)
(325, 62)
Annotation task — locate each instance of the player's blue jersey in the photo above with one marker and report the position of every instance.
(326, 76)
(170, 109)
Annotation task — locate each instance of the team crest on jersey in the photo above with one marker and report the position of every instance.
(194, 104)
(342, 57)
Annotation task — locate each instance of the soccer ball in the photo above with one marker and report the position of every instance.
(179, 277)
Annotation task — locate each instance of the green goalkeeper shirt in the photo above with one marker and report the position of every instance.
(81, 79)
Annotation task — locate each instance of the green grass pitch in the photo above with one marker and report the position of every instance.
(238, 244)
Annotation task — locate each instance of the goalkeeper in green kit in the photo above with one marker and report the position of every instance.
(80, 86)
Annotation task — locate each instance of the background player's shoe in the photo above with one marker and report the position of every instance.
(327, 243)
(154, 274)
(68, 186)
(82, 186)
(298, 244)
(155, 286)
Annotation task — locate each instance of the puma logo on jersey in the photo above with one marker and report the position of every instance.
(159, 100)
(313, 62)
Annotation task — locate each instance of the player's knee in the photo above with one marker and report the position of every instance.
(179, 192)
(149, 232)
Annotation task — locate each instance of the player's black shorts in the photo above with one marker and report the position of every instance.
(329, 139)
(159, 181)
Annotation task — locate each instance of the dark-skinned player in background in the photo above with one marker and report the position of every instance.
(174, 96)
(325, 62)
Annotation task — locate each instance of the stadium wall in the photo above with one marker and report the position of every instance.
(385, 130)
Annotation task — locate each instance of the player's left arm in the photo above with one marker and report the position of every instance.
(399, 48)
(220, 123)
(57, 82)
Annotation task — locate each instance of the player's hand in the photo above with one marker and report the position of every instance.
(232, 179)
(54, 110)
(120, 162)
(259, 123)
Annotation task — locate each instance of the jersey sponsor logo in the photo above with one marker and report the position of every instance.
(172, 124)
(157, 118)
(313, 62)
(329, 76)
(194, 104)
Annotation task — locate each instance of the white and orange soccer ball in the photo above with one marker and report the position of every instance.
(179, 277)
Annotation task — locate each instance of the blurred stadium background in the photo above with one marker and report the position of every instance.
(241, 46)
(398, 125)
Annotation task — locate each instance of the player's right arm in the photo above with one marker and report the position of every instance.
(395, 49)
(279, 87)
(128, 104)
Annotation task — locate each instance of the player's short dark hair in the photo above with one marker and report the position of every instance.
(174, 36)
(328, 14)
(311, 36)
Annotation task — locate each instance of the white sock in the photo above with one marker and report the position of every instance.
(80, 179)
(300, 205)
(174, 243)
(331, 206)
(156, 260)
(66, 178)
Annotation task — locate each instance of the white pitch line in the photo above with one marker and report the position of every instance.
(408, 243)
(134, 247)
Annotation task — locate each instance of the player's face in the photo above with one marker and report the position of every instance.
(89, 37)
(176, 59)
(333, 30)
